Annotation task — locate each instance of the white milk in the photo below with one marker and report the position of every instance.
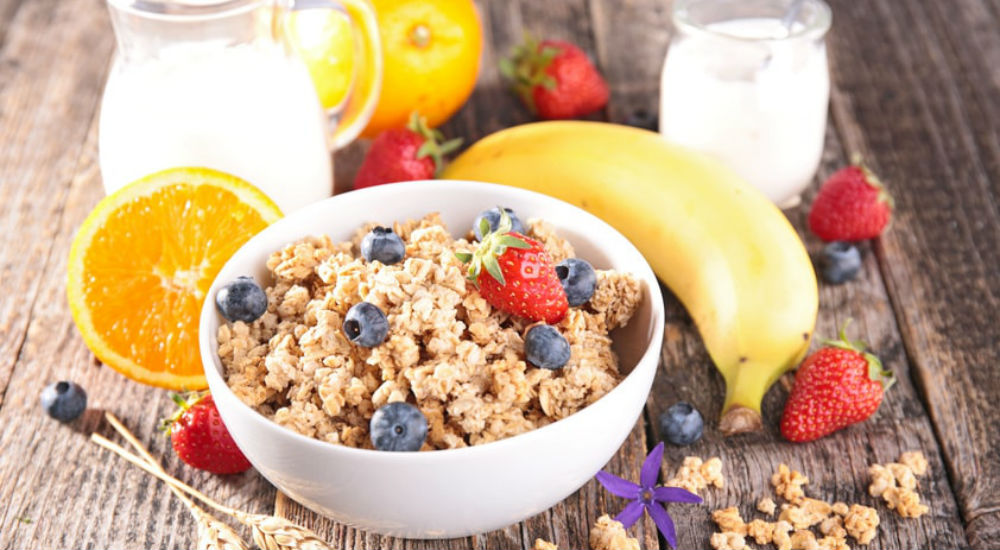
(757, 104)
(248, 110)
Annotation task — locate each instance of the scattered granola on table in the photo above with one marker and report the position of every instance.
(696, 474)
(542, 544)
(728, 541)
(861, 523)
(608, 534)
(896, 483)
(459, 360)
(766, 506)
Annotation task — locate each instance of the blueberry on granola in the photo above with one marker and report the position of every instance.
(241, 300)
(366, 325)
(544, 347)
(398, 426)
(64, 400)
(384, 245)
(492, 217)
(578, 279)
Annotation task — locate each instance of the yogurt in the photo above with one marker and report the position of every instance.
(753, 94)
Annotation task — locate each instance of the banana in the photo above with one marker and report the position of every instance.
(722, 247)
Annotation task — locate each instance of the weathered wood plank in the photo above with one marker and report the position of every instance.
(932, 129)
(48, 96)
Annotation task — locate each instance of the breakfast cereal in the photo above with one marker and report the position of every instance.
(542, 544)
(447, 351)
(608, 534)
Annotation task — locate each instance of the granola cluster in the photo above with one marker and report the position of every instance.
(696, 474)
(608, 534)
(448, 351)
(896, 483)
(799, 515)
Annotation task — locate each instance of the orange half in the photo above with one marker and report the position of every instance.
(142, 262)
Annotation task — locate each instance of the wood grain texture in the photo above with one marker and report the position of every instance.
(915, 88)
(931, 134)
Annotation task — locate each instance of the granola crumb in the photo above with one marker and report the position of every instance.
(906, 502)
(761, 531)
(781, 538)
(695, 474)
(903, 475)
(608, 534)
(833, 527)
(729, 520)
(766, 506)
(728, 541)
(803, 539)
(861, 523)
(788, 483)
(881, 480)
(832, 543)
(542, 544)
(839, 508)
(916, 461)
(807, 513)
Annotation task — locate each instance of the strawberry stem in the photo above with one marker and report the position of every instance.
(525, 69)
(876, 372)
(493, 245)
(432, 146)
(183, 402)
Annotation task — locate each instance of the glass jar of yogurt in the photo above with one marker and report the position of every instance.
(747, 82)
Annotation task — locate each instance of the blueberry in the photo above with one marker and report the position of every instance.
(384, 245)
(241, 300)
(682, 424)
(398, 426)
(366, 325)
(493, 217)
(839, 262)
(578, 280)
(545, 347)
(64, 400)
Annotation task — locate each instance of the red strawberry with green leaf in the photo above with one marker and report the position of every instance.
(514, 274)
(835, 387)
(200, 438)
(405, 154)
(852, 205)
(555, 79)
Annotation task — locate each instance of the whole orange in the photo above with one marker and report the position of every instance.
(431, 52)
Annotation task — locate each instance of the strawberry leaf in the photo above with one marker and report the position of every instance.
(464, 257)
(493, 268)
(511, 241)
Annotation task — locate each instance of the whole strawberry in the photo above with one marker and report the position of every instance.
(555, 79)
(200, 438)
(852, 205)
(835, 387)
(405, 154)
(514, 274)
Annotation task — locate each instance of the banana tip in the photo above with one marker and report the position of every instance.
(739, 420)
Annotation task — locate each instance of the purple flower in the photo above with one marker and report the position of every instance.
(646, 496)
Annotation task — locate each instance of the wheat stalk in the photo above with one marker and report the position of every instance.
(213, 534)
(269, 532)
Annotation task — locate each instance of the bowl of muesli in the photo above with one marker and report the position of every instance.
(374, 339)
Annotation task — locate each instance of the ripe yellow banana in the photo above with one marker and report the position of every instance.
(728, 253)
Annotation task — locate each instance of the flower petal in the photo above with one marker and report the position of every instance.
(630, 513)
(651, 467)
(663, 522)
(675, 494)
(618, 486)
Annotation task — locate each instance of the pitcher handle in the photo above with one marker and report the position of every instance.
(350, 117)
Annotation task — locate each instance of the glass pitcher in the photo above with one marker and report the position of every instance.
(216, 83)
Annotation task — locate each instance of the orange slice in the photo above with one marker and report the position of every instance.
(141, 265)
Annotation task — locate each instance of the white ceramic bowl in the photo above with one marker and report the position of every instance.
(455, 492)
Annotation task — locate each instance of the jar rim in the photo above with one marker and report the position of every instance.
(185, 10)
(814, 28)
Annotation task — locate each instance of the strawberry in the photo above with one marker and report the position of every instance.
(405, 154)
(835, 387)
(514, 274)
(200, 438)
(555, 79)
(852, 205)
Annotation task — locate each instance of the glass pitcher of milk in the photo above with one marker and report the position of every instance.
(747, 82)
(215, 83)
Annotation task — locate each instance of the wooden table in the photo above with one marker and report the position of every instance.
(916, 88)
